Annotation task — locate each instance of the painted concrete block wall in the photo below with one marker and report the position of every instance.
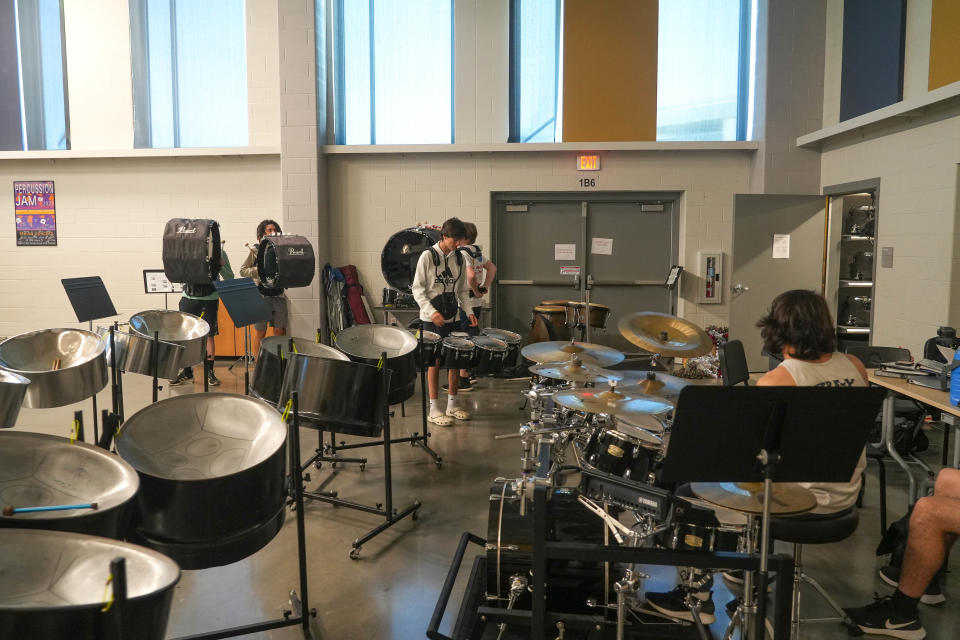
(110, 219)
(373, 196)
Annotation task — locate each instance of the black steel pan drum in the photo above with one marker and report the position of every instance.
(491, 354)
(512, 340)
(63, 365)
(344, 397)
(211, 471)
(267, 378)
(39, 470)
(178, 327)
(134, 353)
(431, 348)
(457, 353)
(399, 257)
(13, 388)
(364, 343)
(55, 584)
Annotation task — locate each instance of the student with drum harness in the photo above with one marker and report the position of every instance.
(440, 288)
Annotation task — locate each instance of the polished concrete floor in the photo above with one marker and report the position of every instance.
(391, 590)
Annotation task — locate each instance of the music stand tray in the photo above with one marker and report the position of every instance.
(89, 298)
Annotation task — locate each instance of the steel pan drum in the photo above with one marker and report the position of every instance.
(364, 343)
(211, 471)
(54, 584)
(63, 365)
(344, 397)
(134, 353)
(175, 326)
(13, 388)
(39, 470)
(267, 378)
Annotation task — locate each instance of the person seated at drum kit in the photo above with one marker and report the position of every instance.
(934, 527)
(440, 289)
(274, 298)
(203, 300)
(800, 327)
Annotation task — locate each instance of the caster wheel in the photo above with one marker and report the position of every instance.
(355, 553)
(439, 464)
(333, 465)
(415, 515)
(363, 466)
(307, 477)
(380, 505)
(318, 465)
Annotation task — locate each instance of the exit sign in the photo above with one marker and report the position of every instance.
(588, 162)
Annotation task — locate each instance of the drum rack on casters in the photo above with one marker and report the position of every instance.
(300, 613)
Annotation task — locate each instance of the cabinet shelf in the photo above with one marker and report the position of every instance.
(847, 329)
(856, 238)
(857, 283)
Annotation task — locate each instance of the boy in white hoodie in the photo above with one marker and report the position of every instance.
(441, 289)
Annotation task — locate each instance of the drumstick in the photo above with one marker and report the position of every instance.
(9, 511)
(56, 364)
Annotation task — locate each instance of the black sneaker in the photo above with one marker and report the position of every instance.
(182, 378)
(736, 578)
(674, 604)
(881, 619)
(932, 596)
(463, 387)
(212, 380)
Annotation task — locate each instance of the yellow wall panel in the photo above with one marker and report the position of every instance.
(609, 70)
(944, 44)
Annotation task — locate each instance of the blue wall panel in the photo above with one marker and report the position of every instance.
(871, 74)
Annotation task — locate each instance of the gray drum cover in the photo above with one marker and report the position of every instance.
(191, 250)
(285, 262)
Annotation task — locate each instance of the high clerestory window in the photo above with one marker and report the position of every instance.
(189, 73)
(393, 65)
(33, 105)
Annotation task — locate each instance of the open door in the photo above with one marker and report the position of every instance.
(777, 245)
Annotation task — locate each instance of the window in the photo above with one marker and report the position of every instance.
(189, 73)
(393, 62)
(33, 108)
(535, 39)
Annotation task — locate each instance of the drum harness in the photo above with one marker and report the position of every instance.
(446, 303)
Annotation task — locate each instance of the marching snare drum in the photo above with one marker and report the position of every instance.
(431, 348)
(511, 339)
(491, 354)
(628, 452)
(457, 353)
(549, 324)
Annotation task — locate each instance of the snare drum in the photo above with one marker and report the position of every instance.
(577, 316)
(457, 353)
(630, 453)
(431, 348)
(548, 324)
(491, 354)
(701, 526)
(512, 340)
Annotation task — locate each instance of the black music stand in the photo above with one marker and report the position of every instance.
(246, 306)
(769, 434)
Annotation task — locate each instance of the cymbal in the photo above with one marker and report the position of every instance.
(664, 334)
(562, 351)
(650, 383)
(573, 371)
(611, 402)
(788, 498)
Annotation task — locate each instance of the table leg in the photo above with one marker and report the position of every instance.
(888, 421)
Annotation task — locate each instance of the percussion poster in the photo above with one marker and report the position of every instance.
(35, 210)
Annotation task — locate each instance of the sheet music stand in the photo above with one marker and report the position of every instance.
(721, 434)
(246, 306)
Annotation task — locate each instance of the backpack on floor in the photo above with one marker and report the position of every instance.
(353, 294)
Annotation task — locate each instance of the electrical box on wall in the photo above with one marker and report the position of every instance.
(710, 265)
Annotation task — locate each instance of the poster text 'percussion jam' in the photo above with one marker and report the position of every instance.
(40, 470)
(13, 388)
(211, 469)
(178, 327)
(365, 343)
(267, 377)
(53, 586)
(63, 365)
(135, 353)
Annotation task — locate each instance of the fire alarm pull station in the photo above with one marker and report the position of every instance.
(711, 269)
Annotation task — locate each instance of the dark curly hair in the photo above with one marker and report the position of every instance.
(799, 319)
(262, 228)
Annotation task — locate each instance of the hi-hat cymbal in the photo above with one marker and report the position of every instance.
(611, 402)
(573, 371)
(665, 334)
(595, 354)
(788, 498)
(650, 383)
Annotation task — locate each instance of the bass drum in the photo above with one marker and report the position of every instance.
(399, 257)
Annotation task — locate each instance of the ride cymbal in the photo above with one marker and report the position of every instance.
(563, 351)
(650, 383)
(611, 402)
(665, 334)
(573, 371)
(788, 498)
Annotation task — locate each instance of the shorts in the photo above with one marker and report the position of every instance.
(278, 313)
(207, 309)
(465, 322)
(443, 331)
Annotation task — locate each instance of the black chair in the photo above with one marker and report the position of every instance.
(733, 363)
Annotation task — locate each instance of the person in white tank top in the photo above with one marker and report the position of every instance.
(800, 327)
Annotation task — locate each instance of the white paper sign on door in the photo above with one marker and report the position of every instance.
(602, 246)
(781, 246)
(564, 252)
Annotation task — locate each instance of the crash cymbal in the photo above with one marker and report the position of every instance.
(573, 371)
(595, 354)
(787, 499)
(664, 334)
(611, 402)
(650, 383)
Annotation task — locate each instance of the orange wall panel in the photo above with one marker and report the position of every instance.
(944, 44)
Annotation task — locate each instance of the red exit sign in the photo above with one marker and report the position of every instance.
(588, 162)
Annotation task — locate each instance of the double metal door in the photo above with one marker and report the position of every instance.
(616, 249)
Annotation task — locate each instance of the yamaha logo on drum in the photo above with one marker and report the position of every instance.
(294, 252)
(182, 229)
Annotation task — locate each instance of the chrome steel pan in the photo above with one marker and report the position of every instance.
(63, 365)
(134, 353)
(344, 397)
(267, 378)
(175, 326)
(54, 586)
(39, 470)
(365, 342)
(13, 388)
(211, 469)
